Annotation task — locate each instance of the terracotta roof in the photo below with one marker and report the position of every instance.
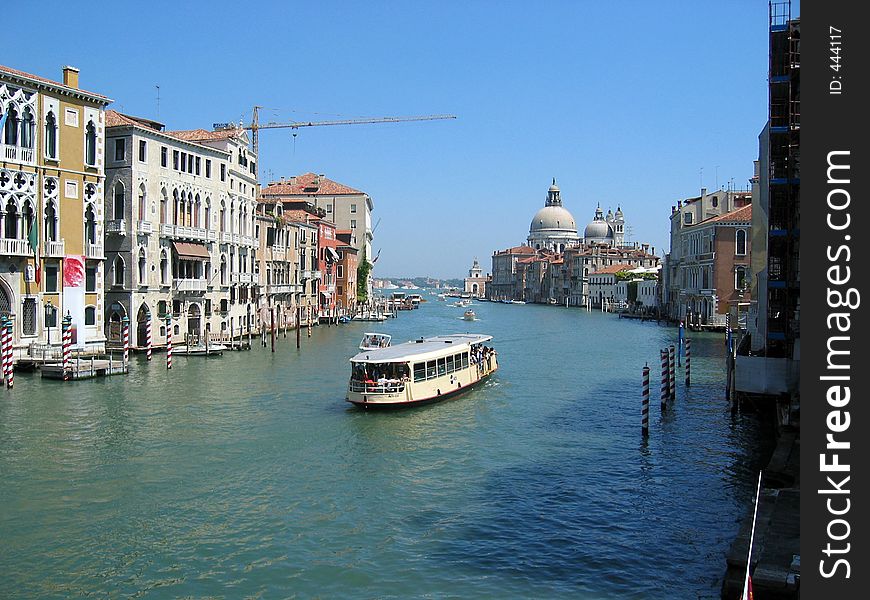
(299, 216)
(305, 185)
(201, 135)
(517, 250)
(12, 71)
(526, 260)
(741, 215)
(613, 269)
(116, 119)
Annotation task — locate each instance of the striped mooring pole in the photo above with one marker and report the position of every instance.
(66, 325)
(728, 329)
(169, 341)
(148, 339)
(680, 343)
(665, 388)
(688, 361)
(672, 386)
(125, 322)
(644, 411)
(5, 350)
(10, 379)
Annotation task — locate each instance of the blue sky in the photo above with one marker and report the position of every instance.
(630, 103)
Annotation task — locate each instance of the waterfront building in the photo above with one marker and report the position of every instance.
(768, 360)
(475, 283)
(504, 284)
(582, 261)
(689, 284)
(327, 265)
(51, 216)
(235, 252)
(345, 279)
(309, 274)
(603, 284)
(278, 267)
(348, 208)
(180, 237)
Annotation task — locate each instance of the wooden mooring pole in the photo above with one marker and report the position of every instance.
(663, 354)
(298, 325)
(673, 373)
(688, 362)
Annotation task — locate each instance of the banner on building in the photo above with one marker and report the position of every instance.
(74, 297)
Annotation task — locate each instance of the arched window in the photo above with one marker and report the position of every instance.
(27, 217)
(740, 278)
(741, 242)
(143, 208)
(91, 144)
(90, 315)
(223, 270)
(175, 207)
(10, 131)
(10, 225)
(206, 222)
(118, 271)
(143, 272)
(223, 217)
(90, 225)
(196, 208)
(119, 201)
(164, 268)
(189, 220)
(50, 222)
(50, 135)
(164, 201)
(27, 128)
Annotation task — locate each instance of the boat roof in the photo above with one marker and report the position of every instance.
(423, 348)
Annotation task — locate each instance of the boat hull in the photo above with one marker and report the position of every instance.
(453, 393)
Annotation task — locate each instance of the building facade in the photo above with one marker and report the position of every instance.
(475, 283)
(180, 236)
(51, 214)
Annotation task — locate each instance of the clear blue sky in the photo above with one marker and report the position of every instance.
(623, 102)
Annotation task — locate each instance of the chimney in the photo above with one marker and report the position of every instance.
(71, 76)
(703, 192)
(293, 181)
(282, 179)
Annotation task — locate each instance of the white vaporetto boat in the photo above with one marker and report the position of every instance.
(420, 371)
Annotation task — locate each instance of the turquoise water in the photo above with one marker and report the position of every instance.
(248, 475)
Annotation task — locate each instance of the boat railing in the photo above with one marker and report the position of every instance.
(389, 387)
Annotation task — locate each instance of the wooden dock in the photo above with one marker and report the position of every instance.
(84, 368)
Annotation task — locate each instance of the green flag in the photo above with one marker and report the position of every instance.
(33, 240)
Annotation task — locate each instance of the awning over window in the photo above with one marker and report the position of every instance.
(326, 294)
(191, 251)
(333, 255)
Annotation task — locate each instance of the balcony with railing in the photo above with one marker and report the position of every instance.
(15, 247)
(226, 237)
(284, 288)
(94, 251)
(17, 153)
(247, 240)
(191, 285)
(116, 226)
(278, 253)
(144, 227)
(54, 249)
(241, 277)
(307, 274)
(185, 232)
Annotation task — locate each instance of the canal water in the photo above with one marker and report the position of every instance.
(248, 475)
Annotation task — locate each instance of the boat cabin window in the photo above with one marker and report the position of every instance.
(430, 369)
(372, 372)
(442, 366)
(420, 372)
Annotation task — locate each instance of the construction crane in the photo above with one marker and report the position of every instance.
(256, 126)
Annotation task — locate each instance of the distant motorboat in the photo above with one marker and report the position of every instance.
(469, 315)
(199, 349)
(517, 302)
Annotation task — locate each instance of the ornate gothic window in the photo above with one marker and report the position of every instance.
(143, 209)
(50, 222)
(27, 128)
(143, 273)
(91, 144)
(90, 225)
(164, 268)
(10, 131)
(118, 271)
(10, 225)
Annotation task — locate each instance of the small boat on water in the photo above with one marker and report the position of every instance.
(469, 315)
(373, 341)
(420, 371)
(517, 302)
(199, 349)
(370, 316)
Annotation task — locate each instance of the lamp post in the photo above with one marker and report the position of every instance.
(49, 313)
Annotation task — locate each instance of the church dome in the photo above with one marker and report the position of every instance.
(598, 230)
(553, 217)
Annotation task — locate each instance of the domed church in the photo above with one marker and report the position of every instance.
(553, 228)
(606, 230)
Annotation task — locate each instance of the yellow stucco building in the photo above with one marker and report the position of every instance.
(51, 209)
